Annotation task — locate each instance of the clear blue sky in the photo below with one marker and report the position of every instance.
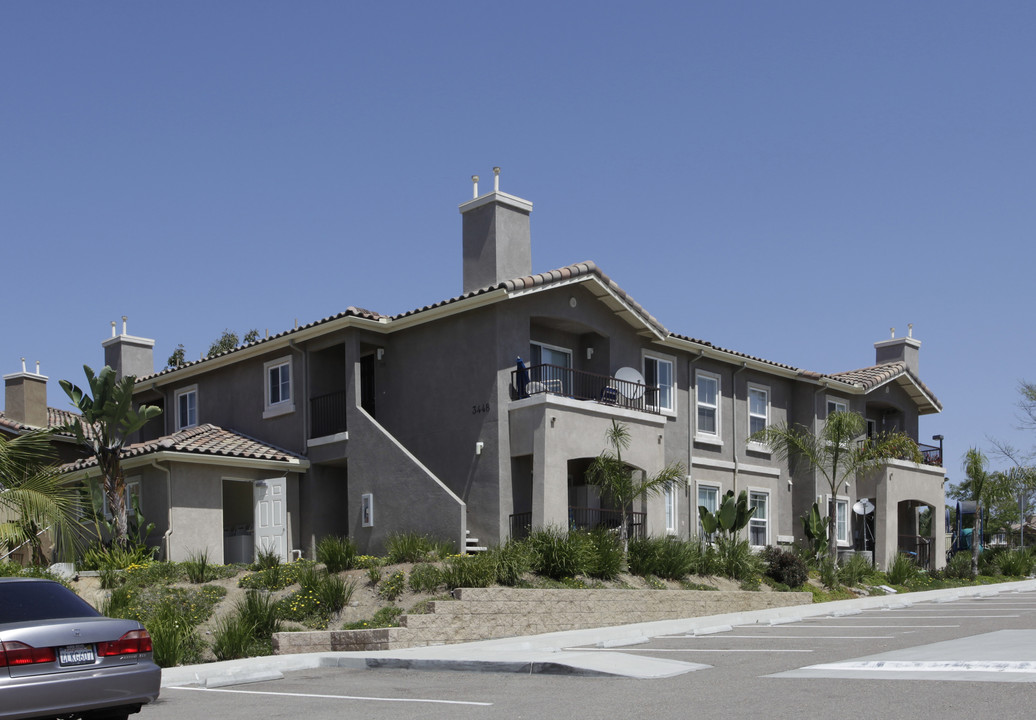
(785, 179)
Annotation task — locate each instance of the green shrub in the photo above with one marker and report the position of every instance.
(393, 586)
(276, 577)
(337, 553)
(334, 593)
(473, 571)
(116, 557)
(1015, 563)
(854, 570)
(441, 549)
(266, 559)
(233, 638)
(198, 568)
(958, 567)
(425, 578)
(667, 557)
(259, 611)
(557, 553)
(736, 560)
(366, 562)
(828, 573)
(409, 547)
(785, 567)
(901, 570)
(989, 561)
(513, 561)
(385, 617)
(606, 559)
(173, 636)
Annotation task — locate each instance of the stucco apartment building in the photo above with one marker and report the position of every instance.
(363, 424)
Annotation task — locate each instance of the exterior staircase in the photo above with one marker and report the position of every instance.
(471, 545)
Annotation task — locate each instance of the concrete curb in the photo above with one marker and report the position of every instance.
(547, 653)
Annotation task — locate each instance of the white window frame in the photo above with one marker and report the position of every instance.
(703, 485)
(182, 423)
(765, 389)
(553, 348)
(284, 406)
(840, 405)
(670, 407)
(670, 498)
(713, 438)
(755, 520)
(842, 539)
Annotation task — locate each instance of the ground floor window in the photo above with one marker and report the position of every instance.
(758, 525)
(708, 497)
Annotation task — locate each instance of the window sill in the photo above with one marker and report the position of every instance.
(708, 440)
(278, 410)
(759, 449)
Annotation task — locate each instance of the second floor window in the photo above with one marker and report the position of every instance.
(834, 406)
(658, 372)
(707, 392)
(186, 408)
(758, 408)
(278, 386)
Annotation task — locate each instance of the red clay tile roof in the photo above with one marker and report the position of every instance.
(199, 440)
(874, 376)
(864, 378)
(56, 419)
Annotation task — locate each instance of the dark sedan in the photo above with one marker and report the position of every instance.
(61, 658)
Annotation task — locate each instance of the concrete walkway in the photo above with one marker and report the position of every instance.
(556, 653)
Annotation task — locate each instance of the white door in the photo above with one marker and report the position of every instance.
(271, 526)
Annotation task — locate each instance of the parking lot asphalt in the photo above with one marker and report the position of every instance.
(640, 651)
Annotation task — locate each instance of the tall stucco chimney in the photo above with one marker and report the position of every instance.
(25, 397)
(905, 349)
(497, 241)
(128, 355)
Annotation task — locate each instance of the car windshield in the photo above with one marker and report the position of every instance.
(30, 601)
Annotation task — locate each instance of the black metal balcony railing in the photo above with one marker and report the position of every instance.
(327, 414)
(581, 518)
(918, 547)
(580, 385)
(930, 454)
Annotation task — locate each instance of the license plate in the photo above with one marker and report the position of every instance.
(76, 655)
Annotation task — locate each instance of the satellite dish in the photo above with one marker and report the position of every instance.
(863, 507)
(632, 386)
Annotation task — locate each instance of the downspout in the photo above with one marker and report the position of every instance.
(305, 394)
(733, 415)
(169, 506)
(824, 387)
(692, 508)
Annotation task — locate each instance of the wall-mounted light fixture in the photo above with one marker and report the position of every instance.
(381, 354)
(478, 447)
(589, 353)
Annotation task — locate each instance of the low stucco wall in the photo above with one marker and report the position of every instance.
(490, 613)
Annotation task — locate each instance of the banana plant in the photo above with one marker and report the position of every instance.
(731, 517)
(814, 525)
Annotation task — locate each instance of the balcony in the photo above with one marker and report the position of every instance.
(579, 385)
(583, 518)
(327, 414)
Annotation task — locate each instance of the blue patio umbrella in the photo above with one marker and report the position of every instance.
(522, 378)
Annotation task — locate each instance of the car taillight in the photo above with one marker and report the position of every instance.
(16, 653)
(135, 641)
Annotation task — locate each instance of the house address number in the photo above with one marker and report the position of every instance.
(479, 409)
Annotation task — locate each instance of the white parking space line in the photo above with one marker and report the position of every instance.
(811, 637)
(840, 626)
(333, 697)
(934, 617)
(690, 650)
(945, 666)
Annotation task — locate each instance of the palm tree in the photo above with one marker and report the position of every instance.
(107, 419)
(976, 485)
(622, 483)
(34, 497)
(833, 451)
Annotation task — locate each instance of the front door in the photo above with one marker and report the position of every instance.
(271, 525)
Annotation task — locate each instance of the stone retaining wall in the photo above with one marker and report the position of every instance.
(489, 613)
